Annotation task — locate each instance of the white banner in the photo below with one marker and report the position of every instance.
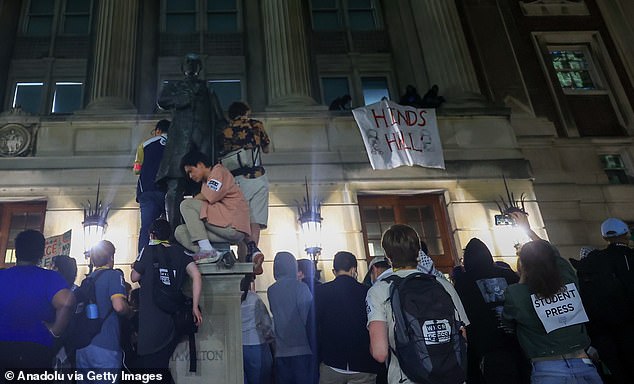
(561, 310)
(55, 246)
(396, 135)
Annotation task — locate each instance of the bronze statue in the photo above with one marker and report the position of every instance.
(196, 118)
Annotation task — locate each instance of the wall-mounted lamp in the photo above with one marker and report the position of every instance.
(95, 223)
(509, 206)
(310, 220)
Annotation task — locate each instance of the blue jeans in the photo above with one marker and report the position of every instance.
(565, 371)
(152, 204)
(258, 364)
(93, 360)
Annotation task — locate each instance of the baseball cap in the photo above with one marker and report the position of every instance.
(378, 259)
(613, 227)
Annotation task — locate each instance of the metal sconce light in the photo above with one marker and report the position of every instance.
(95, 224)
(310, 220)
(509, 206)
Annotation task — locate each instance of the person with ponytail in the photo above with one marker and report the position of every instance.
(257, 334)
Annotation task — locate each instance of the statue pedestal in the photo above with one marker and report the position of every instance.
(219, 338)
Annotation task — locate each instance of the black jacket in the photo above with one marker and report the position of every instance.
(342, 334)
(485, 332)
(606, 284)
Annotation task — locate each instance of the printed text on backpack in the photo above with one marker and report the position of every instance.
(428, 343)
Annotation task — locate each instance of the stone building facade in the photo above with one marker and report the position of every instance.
(540, 92)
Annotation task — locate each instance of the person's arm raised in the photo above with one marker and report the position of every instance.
(521, 219)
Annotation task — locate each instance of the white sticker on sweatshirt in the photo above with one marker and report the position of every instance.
(560, 310)
(214, 185)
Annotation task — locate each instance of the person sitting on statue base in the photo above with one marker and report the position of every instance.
(218, 213)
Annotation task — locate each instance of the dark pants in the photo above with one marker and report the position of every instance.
(152, 204)
(293, 369)
(258, 364)
(615, 351)
(506, 365)
(159, 359)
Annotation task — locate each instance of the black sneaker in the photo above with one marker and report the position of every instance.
(252, 250)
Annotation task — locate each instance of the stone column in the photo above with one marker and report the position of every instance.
(447, 59)
(287, 59)
(112, 81)
(618, 15)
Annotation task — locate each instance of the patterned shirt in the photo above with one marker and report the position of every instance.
(246, 133)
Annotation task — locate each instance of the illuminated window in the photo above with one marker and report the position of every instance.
(67, 97)
(28, 96)
(616, 170)
(573, 68)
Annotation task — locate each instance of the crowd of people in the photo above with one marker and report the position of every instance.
(545, 323)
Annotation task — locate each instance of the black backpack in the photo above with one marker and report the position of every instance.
(428, 343)
(166, 285)
(168, 296)
(81, 330)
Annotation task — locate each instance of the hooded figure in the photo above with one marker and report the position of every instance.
(290, 301)
(481, 288)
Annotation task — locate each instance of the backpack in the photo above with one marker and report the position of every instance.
(166, 288)
(168, 296)
(81, 329)
(428, 343)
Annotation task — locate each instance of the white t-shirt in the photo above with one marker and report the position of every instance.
(379, 309)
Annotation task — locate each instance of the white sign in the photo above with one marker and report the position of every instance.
(396, 135)
(56, 246)
(560, 310)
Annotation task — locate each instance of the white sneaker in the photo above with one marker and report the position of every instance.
(207, 255)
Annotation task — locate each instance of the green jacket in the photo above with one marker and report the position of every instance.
(520, 315)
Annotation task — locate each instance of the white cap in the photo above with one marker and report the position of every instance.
(377, 259)
(613, 227)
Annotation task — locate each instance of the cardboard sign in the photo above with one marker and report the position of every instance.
(560, 310)
(396, 135)
(55, 246)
